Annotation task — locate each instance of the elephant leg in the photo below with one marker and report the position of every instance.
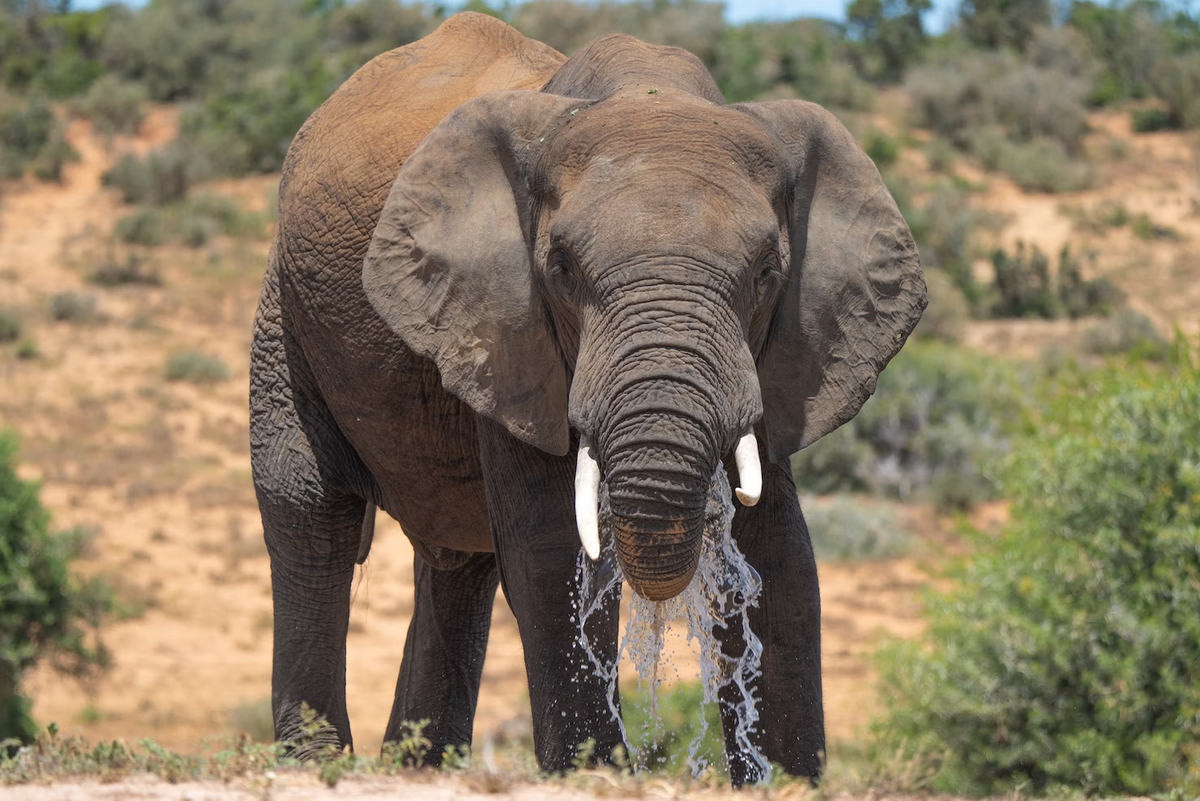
(312, 554)
(791, 727)
(313, 520)
(530, 497)
(443, 653)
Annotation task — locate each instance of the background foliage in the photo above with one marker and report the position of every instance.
(45, 612)
(1068, 652)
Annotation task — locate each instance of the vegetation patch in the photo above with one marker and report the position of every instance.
(196, 368)
(939, 418)
(46, 614)
(850, 528)
(1068, 653)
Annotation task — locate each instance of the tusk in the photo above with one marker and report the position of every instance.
(749, 470)
(587, 499)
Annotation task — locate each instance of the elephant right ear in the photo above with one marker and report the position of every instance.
(449, 265)
(855, 289)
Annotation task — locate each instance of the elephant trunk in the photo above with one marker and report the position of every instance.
(659, 466)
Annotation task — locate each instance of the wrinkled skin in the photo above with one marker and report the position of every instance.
(486, 251)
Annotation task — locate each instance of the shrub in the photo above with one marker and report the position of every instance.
(195, 367)
(937, 411)
(72, 307)
(849, 528)
(1024, 287)
(1128, 332)
(1068, 651)
(1143, 228)
(946, 316)
(146, 226)
(10, 326)
(1081, 297)
(255, 719)
(57, 153)
(1023, 284)
(1149, 120)
(31, 135)
(162, 176)
(940, 155)
(44, 611)
(663, 743)
(114, 106)
(884, 150)
(1177, 81)
(133, 270)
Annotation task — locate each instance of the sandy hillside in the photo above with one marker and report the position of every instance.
(159, 471)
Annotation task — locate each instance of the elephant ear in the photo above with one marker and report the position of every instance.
(449, 266)
(855, 289)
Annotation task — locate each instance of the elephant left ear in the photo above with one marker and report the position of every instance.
(449, 266)
(854, 291)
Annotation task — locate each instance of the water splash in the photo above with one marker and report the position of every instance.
(719, 596)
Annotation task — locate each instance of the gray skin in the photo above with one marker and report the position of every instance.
(486, 250)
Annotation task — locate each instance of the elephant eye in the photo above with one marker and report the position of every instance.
(769, 272)
(563, 270)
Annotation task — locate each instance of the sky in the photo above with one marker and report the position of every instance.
(737, 11)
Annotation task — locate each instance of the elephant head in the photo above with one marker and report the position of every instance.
(660, 272)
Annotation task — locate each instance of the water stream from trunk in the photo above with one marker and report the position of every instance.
(715, 604)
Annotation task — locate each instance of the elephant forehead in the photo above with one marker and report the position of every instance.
(638, 135)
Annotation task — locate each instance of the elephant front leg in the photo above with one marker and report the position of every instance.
(530, 496)
(791, 727)
(443, 653)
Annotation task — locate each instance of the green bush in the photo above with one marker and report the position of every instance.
(1127, 332)
(946, 316)
(1177, 81)
(1144, 228)
(1068, 651)
(10, 326)
(884, 150)
(30, 136)
(938, 411)
(73, 307)
(196, 368)
(45, 613)
(1149, 120)
(134, 270)
(162, 176)
(850, 528)
(146, 226)
(114, 106)
(1024, 287)
(663, 743)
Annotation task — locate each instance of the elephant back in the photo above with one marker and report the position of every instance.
(343, 161)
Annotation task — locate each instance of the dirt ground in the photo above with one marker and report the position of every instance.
(159, 471)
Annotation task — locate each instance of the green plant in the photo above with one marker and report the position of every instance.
(45, 612)
(73, 307)
(850, 528)
(1127, 332)
(946, 316)
(884, 150)
(409, 751)
(27, 350)
(195, 367)
(114, 106)
(146, 226)
(133, 270)
(254, 718)
(10, 326)
(1144, 228)
(161, 176)
(1023, 284)
(1068, 651)
(937, 411)
(1149, 120)
(662, 744)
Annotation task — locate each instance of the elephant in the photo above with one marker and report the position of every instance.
(503, 278)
